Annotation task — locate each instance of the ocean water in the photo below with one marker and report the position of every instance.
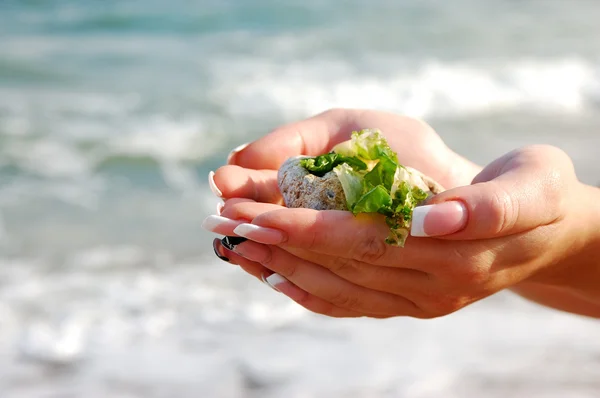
(112, 113)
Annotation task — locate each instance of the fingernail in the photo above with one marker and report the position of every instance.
(275, 279)
(439, 219)
(235, 151)
(282, 285)
(220, 206)
(219, 224)
(216, 247)
(230, 242)
(213, 187)
(266, 282)
(259, 234)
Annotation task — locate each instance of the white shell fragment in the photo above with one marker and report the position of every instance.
(424, 182)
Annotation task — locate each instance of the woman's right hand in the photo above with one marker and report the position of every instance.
(417, 145)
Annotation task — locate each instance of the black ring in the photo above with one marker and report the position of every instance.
(215, 248)
(230, 242)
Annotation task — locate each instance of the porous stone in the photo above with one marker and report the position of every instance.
(299, 188)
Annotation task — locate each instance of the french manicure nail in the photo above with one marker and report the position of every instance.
(220, 206)
(219, 224)
(266, 282)
(230, 242)
(235, 151)
(282, 285)
(275, 279)
(438, 219)
(259, 234)
(213, 187)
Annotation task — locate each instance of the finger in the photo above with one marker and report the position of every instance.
(311, 302)
(308, 301)
(231, 216)
(237, 209)
(516, 193)
(312, 137)
(253, 268)
(384, 279)
(341, 234)
(239, 182)
(324, 284)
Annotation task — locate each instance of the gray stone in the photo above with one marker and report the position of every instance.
(299, 188)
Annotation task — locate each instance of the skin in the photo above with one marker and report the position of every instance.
(521, 231)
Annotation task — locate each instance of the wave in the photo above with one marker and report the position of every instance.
(155, 154)
(13, 71)
(60, 134)
(110, 308)
(434, 89)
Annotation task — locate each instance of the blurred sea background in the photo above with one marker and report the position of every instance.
(112, 113)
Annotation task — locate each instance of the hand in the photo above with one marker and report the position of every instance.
(516, 223)
(252, 171)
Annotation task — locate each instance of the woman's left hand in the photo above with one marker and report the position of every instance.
(515, 223)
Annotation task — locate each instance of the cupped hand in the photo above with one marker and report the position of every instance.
(516, 222)
(251, 173)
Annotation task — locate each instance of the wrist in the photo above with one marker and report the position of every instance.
(579, 263)
(571, 276)
(588, 220)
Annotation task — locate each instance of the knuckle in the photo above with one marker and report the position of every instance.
(315, 232)
(472, 275)
(503, 212)
(343, 300)
(343, 265)
(441, 305)
(554, 189)
(236, 208)
(267, 256)
(306, 300)
(469, 264)
(370, 249)
(287, 269)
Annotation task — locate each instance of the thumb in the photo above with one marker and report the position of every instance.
(313, 136)
(518, 192)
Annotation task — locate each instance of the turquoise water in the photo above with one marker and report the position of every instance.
(113, 112)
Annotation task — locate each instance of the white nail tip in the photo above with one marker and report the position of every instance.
(213, 187)
(211, 223)
(262, 277)
(275, 279)
(417, 227)
(244, 229)
(220, 207)
(236, 150)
